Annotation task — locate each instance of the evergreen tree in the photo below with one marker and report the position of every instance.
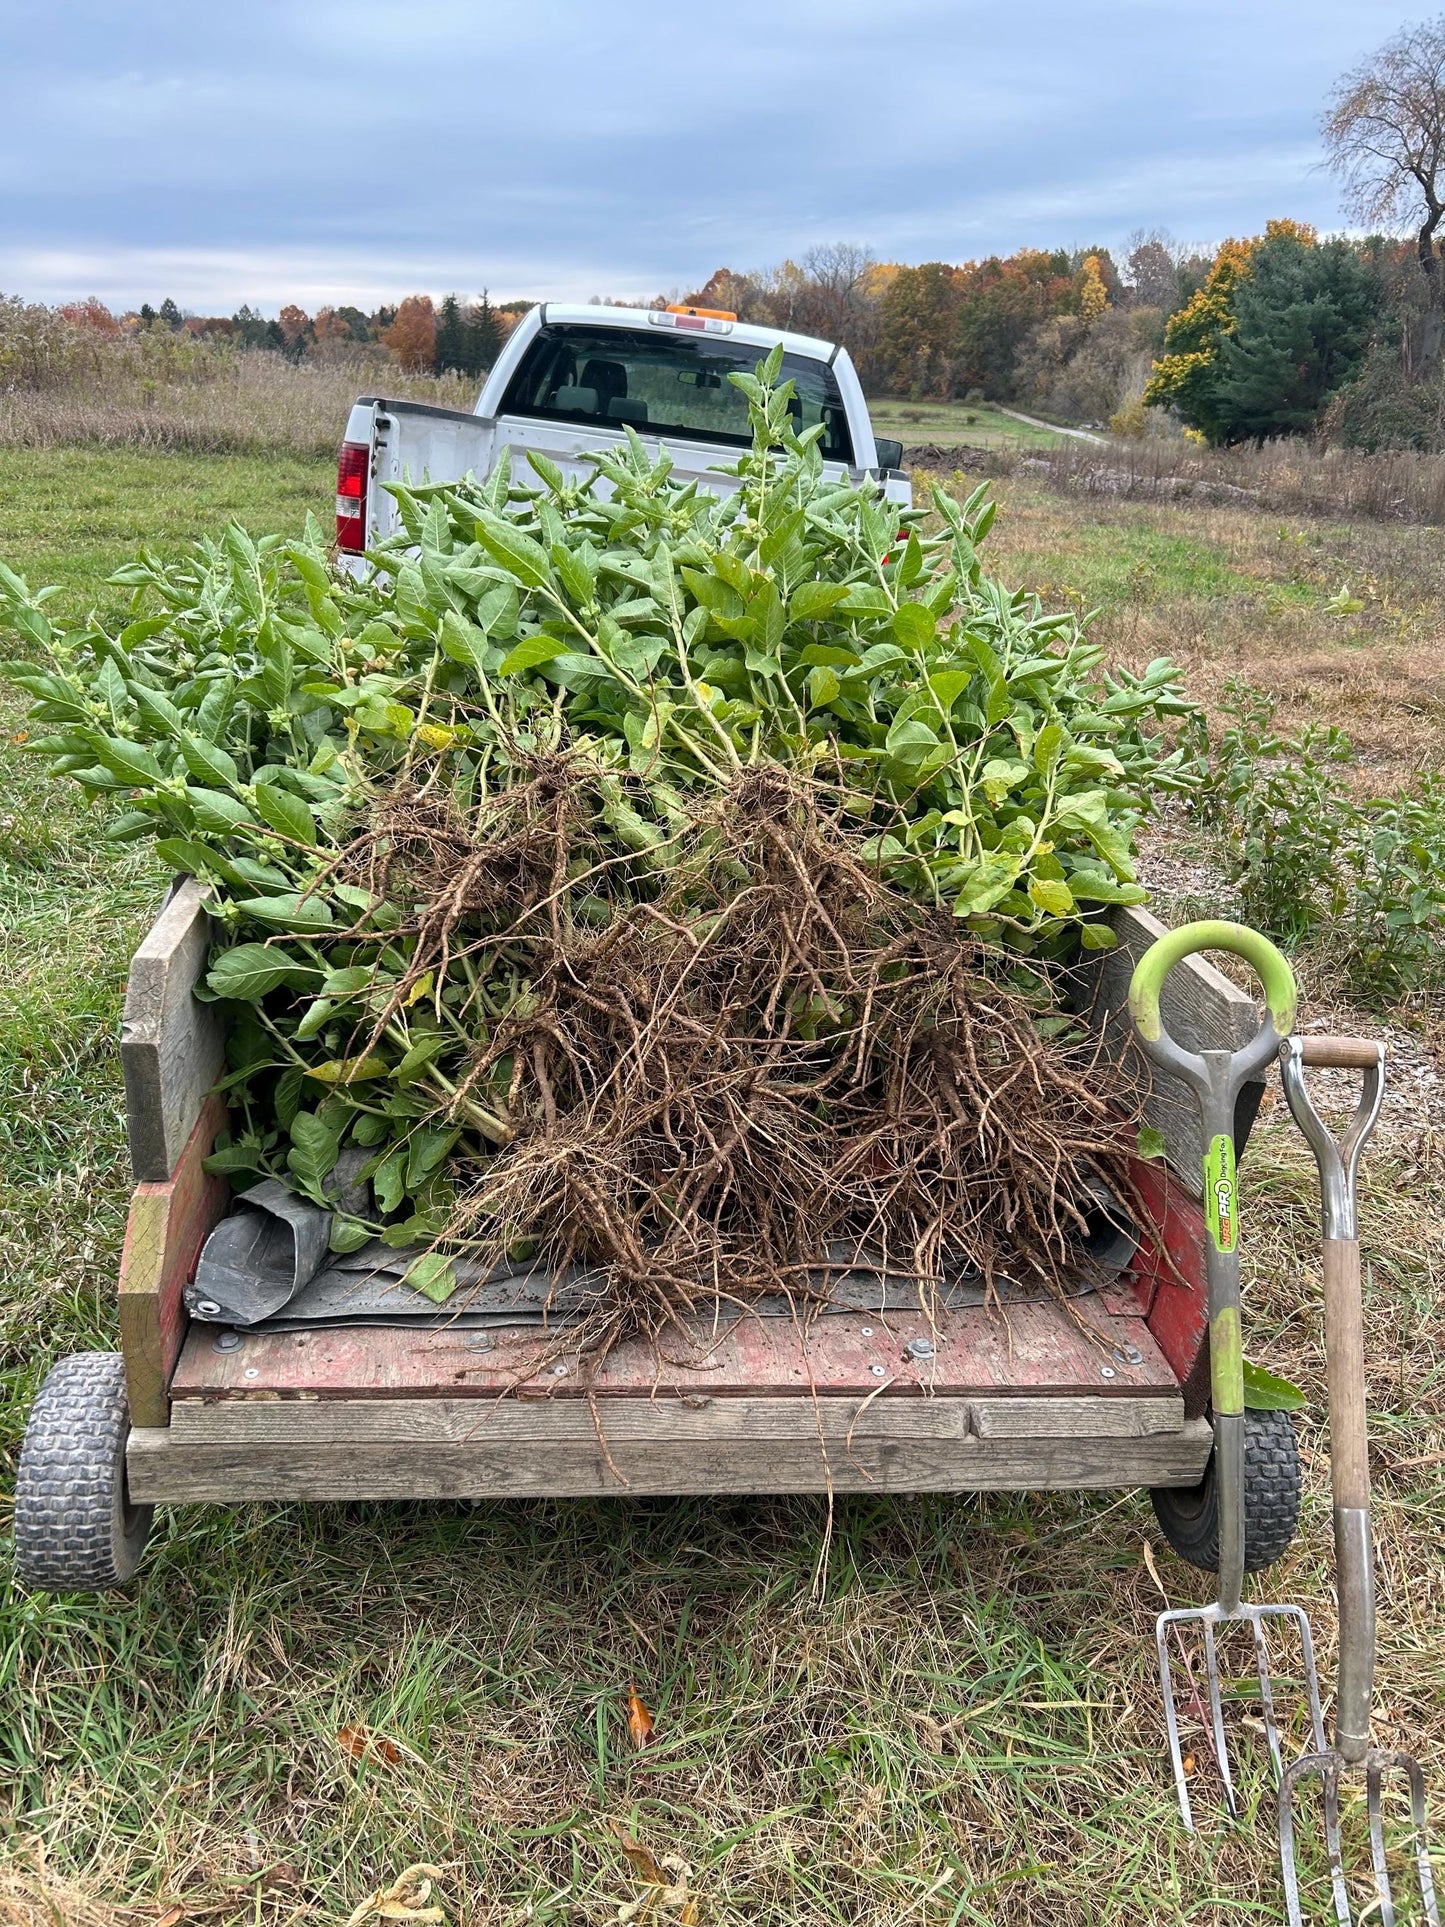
(357, 324)
(251, 326)
(483, 335)
(147, 313)
(1303, 317)
(451, 348)
(170, 314)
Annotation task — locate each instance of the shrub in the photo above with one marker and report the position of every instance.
(1314, 865)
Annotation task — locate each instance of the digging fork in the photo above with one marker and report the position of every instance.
(1350, 1483)
(1216, 1078)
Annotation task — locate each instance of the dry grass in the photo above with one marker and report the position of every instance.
(1231, 593)
(234, 405)
(1294, 477)
(964, 1730)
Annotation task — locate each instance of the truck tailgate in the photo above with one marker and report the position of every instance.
(415, 442)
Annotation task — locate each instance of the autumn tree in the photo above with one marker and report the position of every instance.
(91, 313)
(1093, 295)
(1385, 135)
(1303, 317)
(1278, 326)
(296, 330)
(412, 337)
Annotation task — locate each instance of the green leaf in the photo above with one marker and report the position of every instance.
(913, 626)
(531, 652)
(288, 910)
(287, 815)
(196, 859)
(434, 1275)
(314, 1150)
(388, 1182)
(349, 1070)
(426, 1149)
(420, 1056)
(1098, 936)
(217, 813)
(985, 885)
(348, 1234)
(814, 601)
(1053, 897)
(1150, 1143)
(314, 1019)
(229, 1158)
(517, 552)
(823, 686)
(349, 981)
(128, 761)
(249, 971)
(206, 762)
(1266, 1392)
(1048, 747)
(129, 826)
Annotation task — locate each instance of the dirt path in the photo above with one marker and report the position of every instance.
(1076, 434)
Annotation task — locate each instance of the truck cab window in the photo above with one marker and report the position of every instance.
(665, 385)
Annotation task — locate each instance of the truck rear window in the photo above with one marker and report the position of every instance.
(665, 384)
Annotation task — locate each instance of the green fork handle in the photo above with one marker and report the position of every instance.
(1216, 1078)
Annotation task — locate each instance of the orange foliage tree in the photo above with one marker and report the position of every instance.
(412, 337)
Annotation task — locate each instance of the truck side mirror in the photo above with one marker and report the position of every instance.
(890, 454)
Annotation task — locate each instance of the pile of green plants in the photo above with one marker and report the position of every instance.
(1314, 862)
(661, 881)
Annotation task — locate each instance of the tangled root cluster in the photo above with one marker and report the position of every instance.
(739, 1055)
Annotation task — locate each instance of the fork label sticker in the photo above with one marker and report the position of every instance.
(1220, 1210)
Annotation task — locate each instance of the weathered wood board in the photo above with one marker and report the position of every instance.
(1046, 1350)
(1202, 1010)
(167, 1225)
(171, 1046)
(517, 1449)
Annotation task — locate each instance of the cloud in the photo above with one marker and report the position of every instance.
(316, 150)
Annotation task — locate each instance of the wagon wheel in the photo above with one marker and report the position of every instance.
(75, 1527)
(1189, 1515)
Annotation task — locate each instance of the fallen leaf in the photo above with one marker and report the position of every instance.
(638, 1857)
(639, 1720)
(404, 1899)
(688, 1916)
(1190, 1763)
(1153, 1571)
(171, 1916)
(365, 1743)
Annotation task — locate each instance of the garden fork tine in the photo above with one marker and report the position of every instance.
(1216, 1078)
(1350, 1483)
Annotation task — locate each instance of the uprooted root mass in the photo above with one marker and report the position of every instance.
(725, 1062)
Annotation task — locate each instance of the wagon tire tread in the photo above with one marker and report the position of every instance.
(1189, 1516)
(75, 1528)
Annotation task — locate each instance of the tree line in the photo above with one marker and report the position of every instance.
(1280, 333)
(453, 336)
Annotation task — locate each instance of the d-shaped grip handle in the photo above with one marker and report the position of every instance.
(1147, 983)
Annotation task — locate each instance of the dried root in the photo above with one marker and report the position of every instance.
(735, 1061)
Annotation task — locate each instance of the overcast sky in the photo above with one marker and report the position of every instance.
(356, 150)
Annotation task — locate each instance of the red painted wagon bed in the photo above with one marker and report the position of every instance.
(1108, 1389)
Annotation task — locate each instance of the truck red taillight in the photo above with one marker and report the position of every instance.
(353, 469)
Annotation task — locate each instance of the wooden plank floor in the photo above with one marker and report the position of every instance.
(1096, 1346)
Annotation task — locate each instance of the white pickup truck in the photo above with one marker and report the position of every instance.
(572, 380)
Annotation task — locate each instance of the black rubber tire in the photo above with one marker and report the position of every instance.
(1189, 1515)
(75, 1528)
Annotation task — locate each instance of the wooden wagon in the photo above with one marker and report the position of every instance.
(1107, 1390)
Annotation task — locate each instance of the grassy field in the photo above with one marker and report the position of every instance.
(949, 424)
(957, 1723)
